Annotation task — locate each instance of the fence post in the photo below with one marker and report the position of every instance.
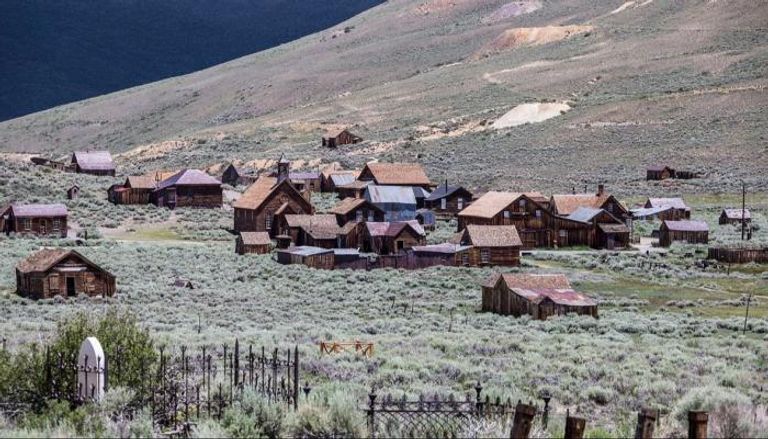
(697, 424)
(478, 400)
(574, 427)
(296, 377)
(523, 420)
(646, 418)
(372, 414)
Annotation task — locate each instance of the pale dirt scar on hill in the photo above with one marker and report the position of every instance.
(512, 10)
(18, 157)
(451, 128)
(155, 150)
(530, 113)
(491, 77)
(515, 38)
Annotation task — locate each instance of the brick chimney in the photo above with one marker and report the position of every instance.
(600, 189)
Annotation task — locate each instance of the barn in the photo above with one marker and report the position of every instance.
(669, 208)
(689, 231)
(253, 243)
(36, 220)
(386, 238)
(61, 272)
(93, 162)
(313, 257)
(342, 137)
(447, 201)
(735, 216)
(492, 245)
(188, 188)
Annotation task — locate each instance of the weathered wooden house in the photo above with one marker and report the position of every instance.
(311, 181)
(60, 272)
(343, 137)
(93, 162)
(426, 218)
(36, 220)
(690, 231)
(669, 208)
(357, 210)
(355, 189)
(310, 230)
(336, 178)
(188, 188)
(73, 192)
(659, 172)
(447, 201)
(313, 257)
(235, 176)
(454, 255)
(269, 198)
(385, 238)
(395, 174)
(596, 228)
(397, 202)
(253, 243)
(735, 216)
(565, 205)
(492, 245)
(525, 211)
(136, 190)
(538, 296)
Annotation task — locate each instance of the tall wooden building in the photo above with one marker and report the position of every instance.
(669, 208)
(565, 205)
(387, 238)
(526, 211)
(60, 272)
(447, 201)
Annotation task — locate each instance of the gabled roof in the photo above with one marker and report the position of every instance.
(561, 296)
(400, 174)
(241, 171)
(38, 210)
(255, 238)
(140, 182)
(356, 184)
(306, 250)
(644, 212)
(442, 191)
(584, 214)
(189, 177)
(342, 178)
(674, 203)
(44, 259)
(658, 168)
(349, 204)
(261, 189)
(322, 226)
(94, 160)
(420, 193)
(493, 236)
(613, 228)
(735, 214)
(687, 226)
(392, 229)
(531, 281)
(390, 194)
(491, 203)
(309, 175)
(567, 204)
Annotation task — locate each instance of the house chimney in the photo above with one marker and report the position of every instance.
(283, 169)
(600, 189)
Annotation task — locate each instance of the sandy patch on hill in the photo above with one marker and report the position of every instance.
(530, 113)
(511, 10)
(155, 150)
(515, 38)
(272, 164)
(452, 128)
(16, 157)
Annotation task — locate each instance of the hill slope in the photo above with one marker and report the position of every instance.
(644, 82)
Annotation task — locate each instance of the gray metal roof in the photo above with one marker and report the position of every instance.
(390, 194)
(94, 160)
(342, 179)
(584, 214)
(306, 250)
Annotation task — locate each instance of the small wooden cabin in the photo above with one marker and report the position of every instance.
(343, 137)
(447, 201)
(385, 238)
(235, 176)
(137, 189)
(313, 257)
(659, 172)
(496, 289)
(492, 245)
(455, 255)
(357, 210)
(60, 272)
(596, 228)
(93, 162)
(356, 189)
(735, 216)
(333, 179)
(690, 231)
(36, 220)
(73, 192)
(188, 188)
(253, 243)
(309, 230)
(669, 208)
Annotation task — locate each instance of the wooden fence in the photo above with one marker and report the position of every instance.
(739, 255)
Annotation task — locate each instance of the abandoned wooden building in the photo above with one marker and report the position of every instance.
(35, 220)
(397, 202)
(426, 218)
(565, 205)
(73, 192)
(525, 211)
(659, 172)
(93, 162)
(596, 228)
(342, 137)
(238, 176)
(253, 243)
(355, 189)
(688, 231)
(395, 174)
(449, 254)
(735, 216)
(188, 188)
(135, 190)
(492, 245)
(335, 178)
(447, 201)
(311, 181)
(385, 238)
(61, 272)
(356, 209)
(313, 257)
(669, 208)
(309, 230)
(540, 296)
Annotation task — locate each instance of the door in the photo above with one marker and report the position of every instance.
(400, 246)
(71, 287)
(43, 227)
(610, 243)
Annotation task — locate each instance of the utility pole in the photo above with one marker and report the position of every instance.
(743, 206)
(746, 315)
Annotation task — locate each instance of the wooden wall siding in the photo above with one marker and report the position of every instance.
(309, 184)
(451, 205)
(739, 255)
(567, 233)
(546, 308)
(321, 261)
(343, 138)
(242, 249)
(725, 220)
(667, 237)
(385, 245)
(189, 196)
(255, 220)
(499, 256)
(376, 215)
(350, 192)
(79, 170)
(674, 214)
(129, 195)
(501, 300)
(522, 216)
(54, 283)
(658, 175)
(37, 226)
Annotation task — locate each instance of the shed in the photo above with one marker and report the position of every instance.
(735, 216)
(397, 202)
(314, 257)
(426, 218)
(36, 220)
(306, 181)
(338, 178)
(672, 208)
(253, 243)
(659, 172)
(73, 192)
(355, 189)
(60, 272)
(137, 189)
(456, 255)
(93, 162)
(235, 176)
(188, 188)
(690, 231)
(343, 137)
(492, 245)
(182, 283)
(539, 296)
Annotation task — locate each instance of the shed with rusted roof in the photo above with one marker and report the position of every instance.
(688, 231)
(188, 188)
(60, 272)
(492, 245)
(36, 220)
(313, 257)
(539, 296)
(93, 162)
(659, 172)
(253, 243)
(395, 174)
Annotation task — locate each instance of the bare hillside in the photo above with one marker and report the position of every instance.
(642, 82)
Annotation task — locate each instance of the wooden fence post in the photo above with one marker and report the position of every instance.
(697, 424)
(574, 427)
(521, 425)
(646, 419)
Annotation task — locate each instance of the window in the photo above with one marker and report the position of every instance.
(53, 282)
(538, 213)
(563, 233)
(370, 216)
(359, 215)
(56, 224)
(465, 259)
(400, 245)
(522, 204)
(268, 220)
(172, 196)
(460, 203)
(443, 203)
(485, 255)
(506, 214)
(609, 208)
(27, 222)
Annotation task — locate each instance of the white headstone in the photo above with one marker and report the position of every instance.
(90, 370)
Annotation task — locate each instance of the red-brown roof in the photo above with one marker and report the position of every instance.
(255, 238)
(491, 203)
(39, 210)
(535, 281)
(392, 229)
(493, 236)
(347, 205)
(397, 174)
(44, 259)
(94, 160)
(260, 190)
(567, 204)
(561, 296)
